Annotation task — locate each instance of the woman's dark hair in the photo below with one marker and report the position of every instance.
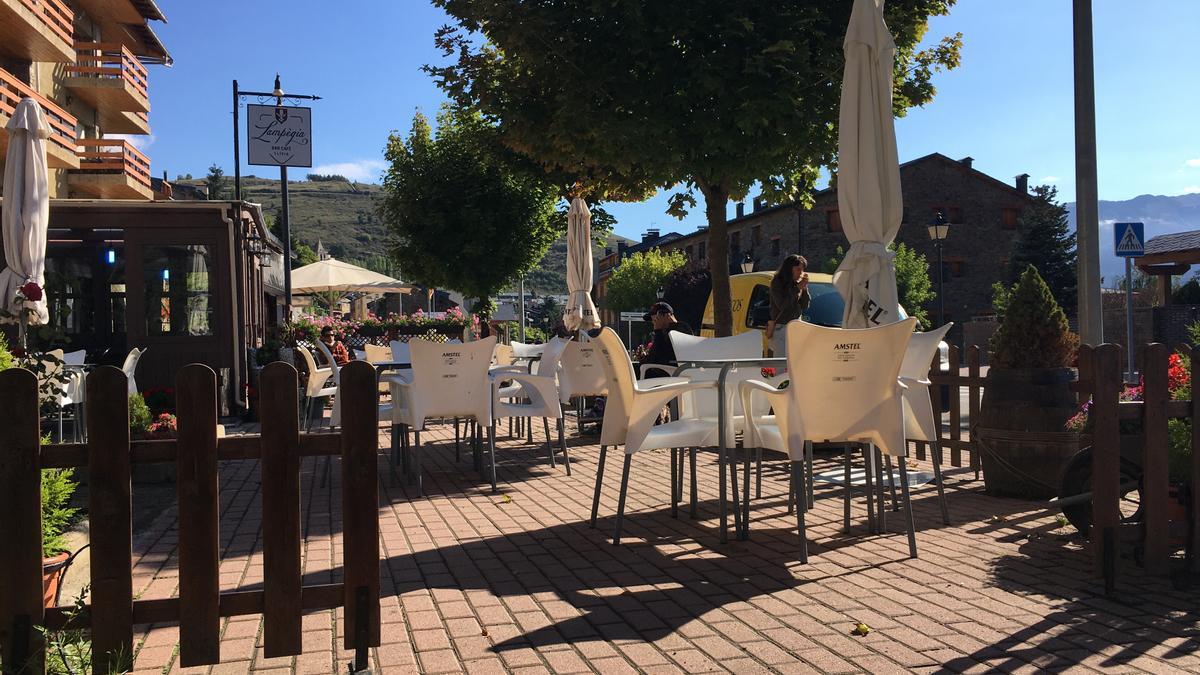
(327, 330)
(784, 274)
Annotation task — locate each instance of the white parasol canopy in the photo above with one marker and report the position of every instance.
(26, 211)
(868, 179)
(335, 275)
(581, 311)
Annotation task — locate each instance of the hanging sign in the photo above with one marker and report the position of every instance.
(278, 135)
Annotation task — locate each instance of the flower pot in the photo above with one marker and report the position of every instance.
(52, 572)
(1021, 438)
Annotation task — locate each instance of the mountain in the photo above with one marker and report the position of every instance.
(342, 215)
(1161, 215)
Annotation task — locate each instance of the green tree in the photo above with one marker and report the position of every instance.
(544, 314)
(464, 212)
(1034, 332)
(1048, 244)
(216, 182)
(913, 286)
(304, 253)
(635, 283)
(713, 96)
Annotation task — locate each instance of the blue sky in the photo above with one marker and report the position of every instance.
(1009, 105)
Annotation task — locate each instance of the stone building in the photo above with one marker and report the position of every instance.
(611, 259)
(984, 215)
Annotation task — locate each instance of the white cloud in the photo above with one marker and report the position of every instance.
(363, 170)
(1050, 179)
(1192, 163)
(139, 141)
(1191, 190)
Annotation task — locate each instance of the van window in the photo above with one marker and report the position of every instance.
(759, 313)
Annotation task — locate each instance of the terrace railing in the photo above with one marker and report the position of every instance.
(113, 155)
(55, 14)
(110, 61)
(62, 124)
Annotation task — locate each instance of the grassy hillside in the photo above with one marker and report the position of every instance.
(342, 215)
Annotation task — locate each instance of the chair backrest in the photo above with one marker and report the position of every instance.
(523, 350)
(581, 372)
(746, 345)
(920, 352)
(75, 358)
(317, 377)
(502, 355)
(51, 367)
(551, 357)
(618, 409)
(845, 384)
(129, 367)
(334, 368)
(376, 353)
(451, 380)
(400, 351)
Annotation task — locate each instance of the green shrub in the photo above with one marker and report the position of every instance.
(6, 357)
(139, 416)
(57, 490)
(1034, 332)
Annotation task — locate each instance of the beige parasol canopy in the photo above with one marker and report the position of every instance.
(581, 311)
(25, 214)
(335, 275)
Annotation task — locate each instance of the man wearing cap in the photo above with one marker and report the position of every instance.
(662, 316)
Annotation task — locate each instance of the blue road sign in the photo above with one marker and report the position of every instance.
(1129, 239)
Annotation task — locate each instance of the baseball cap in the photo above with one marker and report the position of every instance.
(659, 307)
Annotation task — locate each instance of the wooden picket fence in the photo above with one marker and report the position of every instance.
(1100, 376)
(952, 435)
(200, 605)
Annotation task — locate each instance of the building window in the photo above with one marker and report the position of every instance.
(953, 268)
(833, 220)
(756, 235)
(774, 246)
(1010, 218)
(179, 293)
(735, 242)
(702, 250)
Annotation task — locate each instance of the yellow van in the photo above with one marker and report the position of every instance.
(751, 302)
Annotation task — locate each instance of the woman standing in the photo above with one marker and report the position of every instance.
(789, 299)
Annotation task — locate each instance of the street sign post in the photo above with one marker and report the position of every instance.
(1129, 242)
(629, 318)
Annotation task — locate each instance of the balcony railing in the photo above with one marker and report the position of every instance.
(110, 61)
(113, 155)
(62, 125)
(57, 16)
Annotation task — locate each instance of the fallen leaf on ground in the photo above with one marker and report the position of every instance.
(860, 628)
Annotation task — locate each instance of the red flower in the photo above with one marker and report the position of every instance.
(31, 291)
(768, 372)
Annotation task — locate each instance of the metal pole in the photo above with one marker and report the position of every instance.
(285, 228)
(1129, 318)
(941, 282)
(1091, 328)
(237, 153)
(521, 305)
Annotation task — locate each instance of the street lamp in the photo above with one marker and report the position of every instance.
(938, 229)
(747, 264)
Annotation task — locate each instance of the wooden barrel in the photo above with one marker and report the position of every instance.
(1022, 442)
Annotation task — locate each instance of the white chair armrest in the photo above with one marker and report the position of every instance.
(912, 381)
(643, 367)
(775, 396)
(494, 370)
(659, 382)
(539, 389)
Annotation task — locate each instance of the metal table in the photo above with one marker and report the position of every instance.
(741, 516)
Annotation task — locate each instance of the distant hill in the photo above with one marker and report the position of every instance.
(1161, 214)
(342, 215)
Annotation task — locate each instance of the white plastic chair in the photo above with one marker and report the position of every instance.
(630, 414)
(448, 380)
(581, 374)
(317, 385)
(844, 387)
(536, 396)
(75, 358)
(335, 415)
(920, 424)
(130, 367)
(526, 351)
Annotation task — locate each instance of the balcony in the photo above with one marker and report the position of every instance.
(60, 147)
(110, 168)
(109, 78)
(37, 30)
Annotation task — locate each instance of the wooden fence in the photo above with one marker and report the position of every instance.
(954, 438)
(200, 605)
(1100, 376)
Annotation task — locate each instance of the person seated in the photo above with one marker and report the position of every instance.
(341, 355)
(662, 317)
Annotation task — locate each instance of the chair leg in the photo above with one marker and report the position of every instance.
(745, 493)
(812, 480)
(457, 447)
(492, 452)
(892, 483)
(846, 493)
(912, 533)
(621, 499)
(674, 484)
(936, 451)
(599, 480)
(735, 501)
(880, 491)
(758, 473)
(695, 486)
(562, 442)
(417, 463)
(797, 480)
(528, 422)
(395, 450)
(869, 456)
(791, 493)
(549, 444)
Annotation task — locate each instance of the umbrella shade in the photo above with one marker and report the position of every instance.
(869, 200)
(581, 311)
(335, 275)
(26, 210)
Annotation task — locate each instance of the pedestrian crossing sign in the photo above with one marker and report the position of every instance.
(1129, 239)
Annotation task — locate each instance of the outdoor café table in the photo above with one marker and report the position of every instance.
(741, 516)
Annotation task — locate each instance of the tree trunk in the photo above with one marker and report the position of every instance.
(715, 199)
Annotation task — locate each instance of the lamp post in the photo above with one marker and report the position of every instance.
(747, 264)
(938, 229)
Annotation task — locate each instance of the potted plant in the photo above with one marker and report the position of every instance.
(58, 487)
(1027, 397)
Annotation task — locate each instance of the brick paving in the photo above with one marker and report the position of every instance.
(518, 582)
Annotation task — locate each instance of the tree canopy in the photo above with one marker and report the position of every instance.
(913, 285)
(1048, 244)
(464, 212)
(707, 95)
(635, 283)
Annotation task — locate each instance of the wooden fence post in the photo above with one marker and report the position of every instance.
(360, 506)
(280, 472)
(955, 411)
(1106, 460)
(973, 396)
(935, 396)
(109, 517)
(1154, 456)
(199, 516)
(21, 605)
